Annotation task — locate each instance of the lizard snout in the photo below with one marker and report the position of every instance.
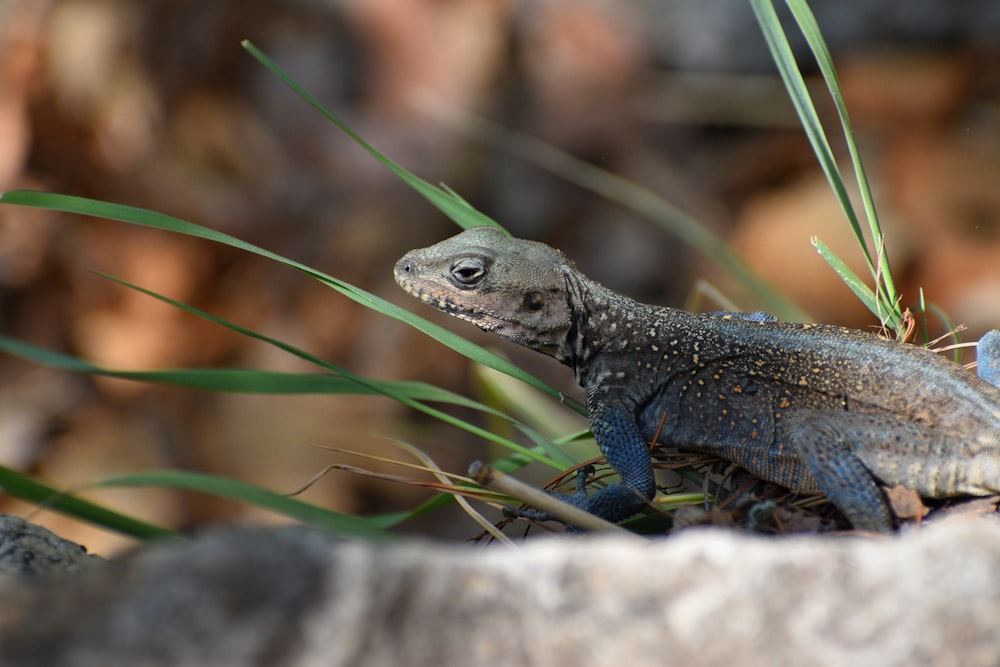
(403, 268)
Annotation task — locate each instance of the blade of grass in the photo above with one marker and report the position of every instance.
(814, 38)
(541, 443)
(156, 220)
(18, 485)
(784, 58)
(445, 200)
(152, 219)
(246, 381)
(851, 279)
(531, 406)
(630, 195)
(884, 302)
(311, 515)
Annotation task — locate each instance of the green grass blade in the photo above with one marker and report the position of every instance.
(20, 486)
(228, 380)
(635, 198)
(788, 68)
(814, 37)
(311, 515)
(386, 521)
(146, 218)
(947, 324)
(885, 303)
(851, 279)
(445, 200)
(527, 403)
(132, 215)
(534, 454)
(244, 381)
(269, 382)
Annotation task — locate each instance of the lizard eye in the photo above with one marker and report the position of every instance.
(468, 271)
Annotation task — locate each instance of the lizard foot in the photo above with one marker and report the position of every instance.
(578, 499)
(613, 503)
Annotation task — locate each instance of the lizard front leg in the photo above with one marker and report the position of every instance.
(622, 445)
(619, 440)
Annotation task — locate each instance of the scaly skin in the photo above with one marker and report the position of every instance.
(809, 407)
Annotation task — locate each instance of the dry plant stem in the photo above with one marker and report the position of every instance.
(498, 481)
(466, 506)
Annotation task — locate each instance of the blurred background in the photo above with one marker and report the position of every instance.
(155, 104)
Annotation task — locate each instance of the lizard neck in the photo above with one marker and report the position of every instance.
(599, 316)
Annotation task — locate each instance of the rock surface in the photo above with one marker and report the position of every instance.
(28, 549)
(707, 597)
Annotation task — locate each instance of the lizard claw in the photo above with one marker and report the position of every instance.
(581, 481)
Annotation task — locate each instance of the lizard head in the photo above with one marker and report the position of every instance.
(512, 287)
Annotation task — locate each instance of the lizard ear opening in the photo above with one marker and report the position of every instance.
(534, 301)
(468, 271)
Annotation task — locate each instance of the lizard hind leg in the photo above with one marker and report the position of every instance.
(823, 441)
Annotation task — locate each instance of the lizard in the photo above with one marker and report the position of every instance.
(810, 407)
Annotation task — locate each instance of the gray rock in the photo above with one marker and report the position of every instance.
(29, 549)
(707, 597)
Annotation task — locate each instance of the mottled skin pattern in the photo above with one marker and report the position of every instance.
(809, 407)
